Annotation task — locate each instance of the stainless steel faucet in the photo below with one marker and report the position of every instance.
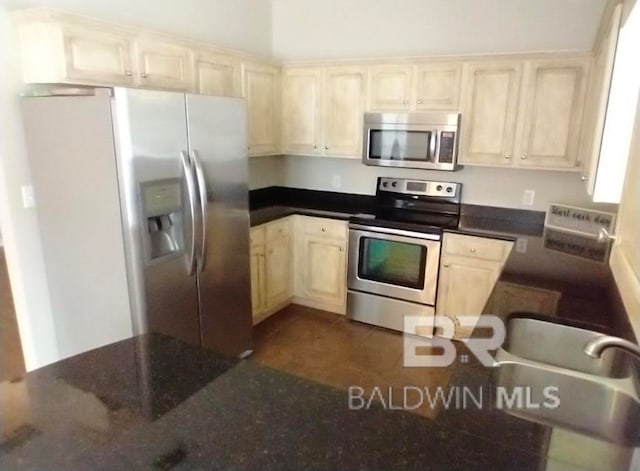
(595, 347)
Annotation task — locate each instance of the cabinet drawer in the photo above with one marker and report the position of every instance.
(256, 235)
(279, 228)
(322, 227)
(476, 247)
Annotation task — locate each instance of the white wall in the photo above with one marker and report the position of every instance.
(239, 24)
(314, 29)
(266, 171)
(485, 186)
(20, 226)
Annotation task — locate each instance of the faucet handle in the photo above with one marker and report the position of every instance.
(597, 345)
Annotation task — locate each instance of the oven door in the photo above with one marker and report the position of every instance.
(394, 263)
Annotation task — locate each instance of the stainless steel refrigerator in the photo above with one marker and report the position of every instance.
(142, 202)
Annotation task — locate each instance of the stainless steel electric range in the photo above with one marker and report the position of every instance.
(394, 253)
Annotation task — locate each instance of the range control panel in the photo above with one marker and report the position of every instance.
(419, 187)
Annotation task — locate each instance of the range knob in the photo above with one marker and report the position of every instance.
(449, 189)
(439, 188)
(385, 184)
(394, 184)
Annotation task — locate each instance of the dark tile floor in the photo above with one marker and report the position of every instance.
(11, 359)
(331, 350)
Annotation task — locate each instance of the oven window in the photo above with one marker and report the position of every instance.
(391, 144)
(395, 263)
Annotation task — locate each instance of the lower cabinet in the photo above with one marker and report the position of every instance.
(320, 263)
(469, 269)
(271, 268)
(511, 297)
(298, 259)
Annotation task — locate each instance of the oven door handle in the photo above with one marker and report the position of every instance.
(399, 232)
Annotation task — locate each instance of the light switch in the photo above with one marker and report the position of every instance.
(521, 245)
(28, 198)
(336, 182)
(527, 197)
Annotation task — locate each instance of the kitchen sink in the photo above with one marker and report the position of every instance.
(543, 374)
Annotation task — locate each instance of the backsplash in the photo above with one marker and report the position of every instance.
(481, 185)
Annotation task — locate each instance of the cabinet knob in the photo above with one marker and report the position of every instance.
(446, 265)
(315, 146)
(143, 75)
(584, 178)
(341, 249)
(323, 230)
(326, 147)
(523, 156)
(473, 250)
(420, 101)
(507, 156)
(404, 102)
(128, 73)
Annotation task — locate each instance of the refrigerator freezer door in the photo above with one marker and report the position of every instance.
(218, 142)
(151, 134)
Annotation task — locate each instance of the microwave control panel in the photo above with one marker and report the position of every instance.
(447, 146)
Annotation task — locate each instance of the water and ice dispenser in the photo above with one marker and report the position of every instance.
(162, 203)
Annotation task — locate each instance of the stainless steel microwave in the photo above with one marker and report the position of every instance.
(411, 140)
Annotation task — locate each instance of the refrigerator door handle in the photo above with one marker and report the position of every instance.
(202, 191)
(191, 187)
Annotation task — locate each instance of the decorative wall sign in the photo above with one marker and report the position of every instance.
(577, 245)
(586, 222)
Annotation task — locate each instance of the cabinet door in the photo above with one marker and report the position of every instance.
(324, 269)
(343, 111)
(489, 115)
(302, 110)
(100, 57)
(464, 287)
(258, 295)
(260, 87)
(216, 74)
(163, 64)
(510, 298)
(278, 270)
(553, 104)
(438, 86)
(390, 88)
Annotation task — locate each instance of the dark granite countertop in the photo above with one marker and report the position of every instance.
(540, 259)
(152, 402)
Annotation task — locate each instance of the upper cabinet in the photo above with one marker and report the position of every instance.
(216, 74)
(343, 111)
(163, 64)
(323, 110)
(261, 89)
(490, 112)
(424, 86)
(302, 111)
(524, 113)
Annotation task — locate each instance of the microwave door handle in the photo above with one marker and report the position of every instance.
(432, 145)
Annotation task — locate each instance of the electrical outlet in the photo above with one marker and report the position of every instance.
(28, 198)
(527, 197)
(336, 182)
(521, 245)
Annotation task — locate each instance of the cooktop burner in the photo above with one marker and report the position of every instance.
(414, 205)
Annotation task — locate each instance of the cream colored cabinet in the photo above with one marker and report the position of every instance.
(271, 267)
(525, 114)
(553, 104)
(323, 110)
(425, 86)
(511, 297)
(343, 109)
(469, 269)
(320, 263)
(490, 113)
(390, 87)
(437, 86)
(261, 89)
(216, 74)
(302, 111)
(163, 64)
